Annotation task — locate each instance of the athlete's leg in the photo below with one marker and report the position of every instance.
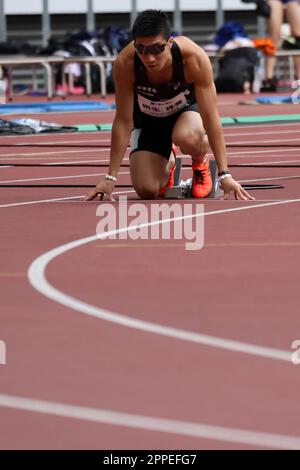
(189, 134)
(293, 17)
(149, 173)
(151, 158)
(274, 24)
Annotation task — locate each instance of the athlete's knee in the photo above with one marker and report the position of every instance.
(188, 140)
(147, 191)
(193, 142)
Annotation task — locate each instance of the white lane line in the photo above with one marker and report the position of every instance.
(29, 156)
(270, 162)
(108, 142)
(187, 157)
(40, 201)
(105, 160)
(59, 199)
(149, 423)
(60, 177)
(257, 179)
(87, 150)
(259, 152)
(38, 280)
(41, 158)
(125, 173)
(263, 142)
(254, 153)
(103, 133)
(41, 153)
(56, 141)
(260, 126)
(69, 163)
(255, 133)
(127, 160)
(270, 179)
(98, 141)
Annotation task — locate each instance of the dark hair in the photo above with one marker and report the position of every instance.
(151, 23)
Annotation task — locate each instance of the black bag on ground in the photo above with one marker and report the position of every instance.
(235, 68)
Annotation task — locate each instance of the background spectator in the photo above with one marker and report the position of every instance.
(278, 9)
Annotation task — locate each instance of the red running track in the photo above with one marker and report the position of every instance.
(146, 344)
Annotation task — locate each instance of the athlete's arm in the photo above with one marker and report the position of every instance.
(123, 121)
(199, 71)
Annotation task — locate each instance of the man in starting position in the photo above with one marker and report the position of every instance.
(165, 95)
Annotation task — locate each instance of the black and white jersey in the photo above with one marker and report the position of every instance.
(154, 101)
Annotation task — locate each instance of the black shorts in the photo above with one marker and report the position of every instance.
(156, 136)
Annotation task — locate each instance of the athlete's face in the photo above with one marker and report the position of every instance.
(154, 51)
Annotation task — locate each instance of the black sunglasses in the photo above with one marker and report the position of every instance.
(154, 49)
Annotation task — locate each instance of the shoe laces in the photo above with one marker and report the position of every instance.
(200, 175)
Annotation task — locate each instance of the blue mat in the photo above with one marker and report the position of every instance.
(47, 107)
(277, 100)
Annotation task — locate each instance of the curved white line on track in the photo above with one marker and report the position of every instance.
(148, 423)
(38, 280)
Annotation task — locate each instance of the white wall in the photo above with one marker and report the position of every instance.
(30, 7)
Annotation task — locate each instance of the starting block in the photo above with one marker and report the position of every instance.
(183, 188)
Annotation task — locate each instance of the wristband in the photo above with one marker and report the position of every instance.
(225, 175)
(110, 177)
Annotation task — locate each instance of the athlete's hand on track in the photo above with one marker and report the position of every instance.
(229, 184)
(104, 188)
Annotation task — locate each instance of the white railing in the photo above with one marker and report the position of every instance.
(49, 64)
